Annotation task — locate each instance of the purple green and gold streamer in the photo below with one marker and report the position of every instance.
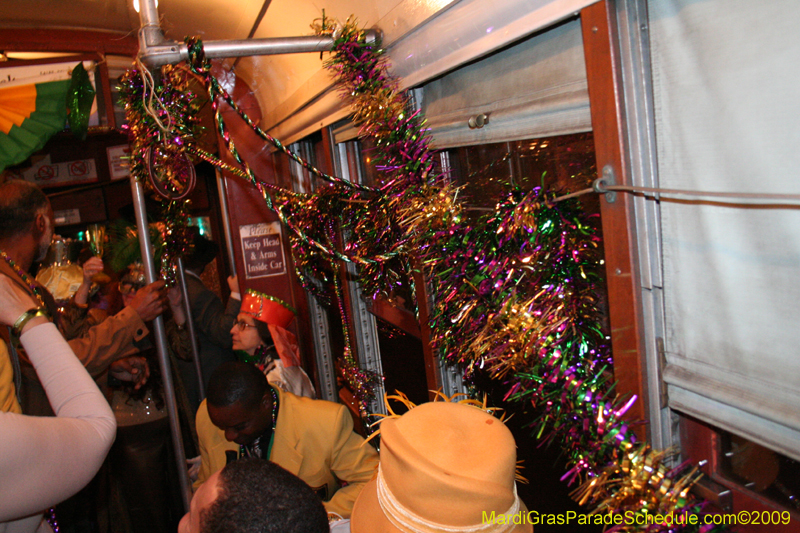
(179, 107)
(515, 292)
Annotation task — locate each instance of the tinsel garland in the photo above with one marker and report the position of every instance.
(514, 293)
(161, 114)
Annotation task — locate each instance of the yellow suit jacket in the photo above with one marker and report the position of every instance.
(8, 392)
(314, 440)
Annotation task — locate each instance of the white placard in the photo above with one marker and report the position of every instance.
(262, 250)
(119, 161)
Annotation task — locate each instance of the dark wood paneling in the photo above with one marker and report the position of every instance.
(431, 364)
(394, 315)
(700, 445)
(90, 203)
(40, 40)
(245, 203)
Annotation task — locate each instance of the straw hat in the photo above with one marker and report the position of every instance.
(267, 309)
(445, 468)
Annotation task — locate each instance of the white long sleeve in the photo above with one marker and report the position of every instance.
(44, 460)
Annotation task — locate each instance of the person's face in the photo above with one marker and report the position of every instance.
(128, 291)
(127, 297)
(242, 424)
(205, 496)
(244, 334)
(47, 235)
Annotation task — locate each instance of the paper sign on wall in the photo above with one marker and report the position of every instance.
(262, 250)
(119, 161)
(45, 174)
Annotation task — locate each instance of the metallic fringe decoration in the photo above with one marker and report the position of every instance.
(514, 292)
(160, 116)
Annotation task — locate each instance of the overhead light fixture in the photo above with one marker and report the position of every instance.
(136, 5)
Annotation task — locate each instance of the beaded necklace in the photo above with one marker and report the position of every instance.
(255, 448)
(25, 278)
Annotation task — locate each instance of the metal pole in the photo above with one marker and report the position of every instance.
(150, 33)
(161, 344)
(187, 308)
(155, 50)
(226, 222)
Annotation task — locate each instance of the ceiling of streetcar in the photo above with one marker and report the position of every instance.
(275, 79)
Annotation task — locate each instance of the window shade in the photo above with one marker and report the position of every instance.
(532, 89)
(726, 105)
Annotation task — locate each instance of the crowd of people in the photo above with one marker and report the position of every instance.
(81, 392)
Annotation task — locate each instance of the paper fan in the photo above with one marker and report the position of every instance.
(29, 116)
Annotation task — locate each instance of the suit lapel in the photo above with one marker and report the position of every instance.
(284, 451)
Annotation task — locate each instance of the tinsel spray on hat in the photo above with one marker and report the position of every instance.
(267, 309)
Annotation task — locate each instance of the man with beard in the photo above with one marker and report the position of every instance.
(26, 229)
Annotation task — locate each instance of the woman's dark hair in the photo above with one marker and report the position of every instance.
(202, 253)
(263, 331)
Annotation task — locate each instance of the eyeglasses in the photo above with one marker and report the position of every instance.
(242, 325)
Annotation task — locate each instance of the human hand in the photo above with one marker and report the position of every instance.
(150, 301)
(194, 467)
(92, 266)
(133, 368)
(175, 297)
(15, 301)
(233, 284)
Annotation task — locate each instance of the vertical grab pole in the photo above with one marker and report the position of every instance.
(226, 222)
(161, 344)
(187, 308)
(150, 33)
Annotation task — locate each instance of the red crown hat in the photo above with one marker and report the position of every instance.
(267, 309)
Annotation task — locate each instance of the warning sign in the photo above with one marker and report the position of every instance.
(47, 174)
(262, 250)
(78, 169)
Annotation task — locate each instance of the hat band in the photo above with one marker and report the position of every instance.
(409, 522)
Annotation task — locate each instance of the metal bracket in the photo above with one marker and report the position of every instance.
(663, 395)
(719, 495)
(478, 121)
(600, 184)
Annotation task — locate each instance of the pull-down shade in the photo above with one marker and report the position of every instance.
(535, 88)
(725, 88)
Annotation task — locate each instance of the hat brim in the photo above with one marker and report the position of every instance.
(368, 517)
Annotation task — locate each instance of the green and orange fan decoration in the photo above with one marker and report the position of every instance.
(32, 113)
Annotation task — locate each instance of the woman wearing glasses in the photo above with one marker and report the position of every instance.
(260, 337)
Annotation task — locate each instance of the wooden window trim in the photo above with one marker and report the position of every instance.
(79, 41)
(622, 277)
(701, 445)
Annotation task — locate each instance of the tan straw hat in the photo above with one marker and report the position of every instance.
(445, 468)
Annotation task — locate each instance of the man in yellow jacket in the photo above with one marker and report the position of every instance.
(243, 416)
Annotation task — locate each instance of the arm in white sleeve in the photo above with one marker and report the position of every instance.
(45, 460)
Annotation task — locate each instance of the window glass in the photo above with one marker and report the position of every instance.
(564, 162)
(761, 470)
